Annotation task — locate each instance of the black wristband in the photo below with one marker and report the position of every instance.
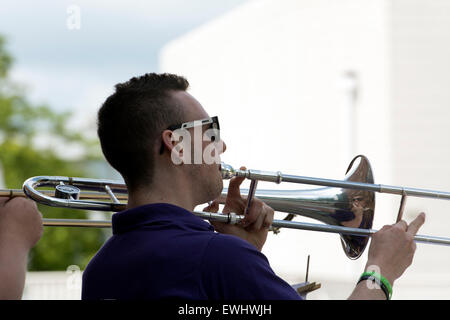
(378, 282)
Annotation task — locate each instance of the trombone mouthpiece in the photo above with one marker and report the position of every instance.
(227, 171)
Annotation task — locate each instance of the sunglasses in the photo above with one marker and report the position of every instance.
(213, 128)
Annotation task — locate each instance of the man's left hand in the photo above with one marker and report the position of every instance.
(255, 226)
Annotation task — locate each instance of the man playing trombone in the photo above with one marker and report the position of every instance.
(159, 249)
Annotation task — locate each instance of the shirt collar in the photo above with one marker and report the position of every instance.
(156, 213)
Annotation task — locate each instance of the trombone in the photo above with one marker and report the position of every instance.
(345, 206)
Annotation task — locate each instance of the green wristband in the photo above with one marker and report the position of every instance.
(380, 280)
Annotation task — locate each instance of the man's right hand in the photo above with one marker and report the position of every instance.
(392, 248)
(20, 221)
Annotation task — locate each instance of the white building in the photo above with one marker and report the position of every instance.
(303, 86)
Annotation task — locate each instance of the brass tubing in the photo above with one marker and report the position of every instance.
(226, 218)
(85, 195)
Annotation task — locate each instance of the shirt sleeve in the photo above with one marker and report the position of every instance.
(231, 268)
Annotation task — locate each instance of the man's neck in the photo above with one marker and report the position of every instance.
(175, 196)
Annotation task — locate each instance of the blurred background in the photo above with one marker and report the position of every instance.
(300, 86)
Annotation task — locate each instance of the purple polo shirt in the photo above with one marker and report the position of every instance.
(160, 251)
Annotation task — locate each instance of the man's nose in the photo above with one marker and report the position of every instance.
(224, 146)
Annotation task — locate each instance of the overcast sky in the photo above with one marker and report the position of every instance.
(78, 68)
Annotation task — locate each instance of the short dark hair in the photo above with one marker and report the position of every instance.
(131, 120)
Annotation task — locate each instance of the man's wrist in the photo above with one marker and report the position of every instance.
(377, 279)
(373, 266)
(367, 290)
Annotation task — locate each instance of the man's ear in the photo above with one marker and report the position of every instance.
(175, 143)
(168, 140)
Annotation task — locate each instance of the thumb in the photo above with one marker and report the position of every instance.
(234, 200)
(212, 207)
(235, 184)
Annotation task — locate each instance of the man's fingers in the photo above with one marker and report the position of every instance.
(212, 207)
(415, 225)
(235, 184)
(402, 225)
(3, 201)
(21, 202)
(269, 217)
(234, 200)
(259, 221)
(260, 216)
(234, 187)
(254, 214)
(265, 219)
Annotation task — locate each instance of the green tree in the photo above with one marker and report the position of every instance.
(20, 122)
